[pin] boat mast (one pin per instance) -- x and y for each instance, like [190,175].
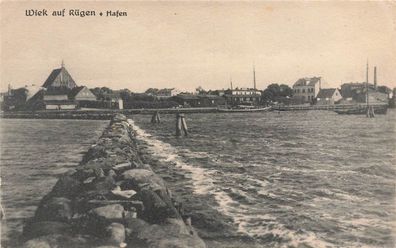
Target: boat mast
[254,77]
[367,86]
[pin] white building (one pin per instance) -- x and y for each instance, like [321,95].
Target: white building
[167,93]
[305,90]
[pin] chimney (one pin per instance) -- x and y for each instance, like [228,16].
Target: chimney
[375,77]
[320,83]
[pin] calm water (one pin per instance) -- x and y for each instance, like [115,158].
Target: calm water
[307,179]
[33,154]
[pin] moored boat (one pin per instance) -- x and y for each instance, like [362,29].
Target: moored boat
[362,110]
[245,110]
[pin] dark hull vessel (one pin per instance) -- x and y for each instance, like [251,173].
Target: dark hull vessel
[362,110]
[245,110]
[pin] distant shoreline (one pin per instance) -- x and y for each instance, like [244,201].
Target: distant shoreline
[107,114]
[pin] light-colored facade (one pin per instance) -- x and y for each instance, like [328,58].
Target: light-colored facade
[305,90]
[60,97]
[167,93]
[328,96]
[243,96]
[84,94]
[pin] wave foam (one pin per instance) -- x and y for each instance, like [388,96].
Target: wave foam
[204,182]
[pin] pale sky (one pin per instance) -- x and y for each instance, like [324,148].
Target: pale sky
[185,45]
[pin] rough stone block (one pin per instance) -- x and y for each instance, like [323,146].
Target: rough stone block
[115,233]
[156,209]
[54,209]
[43,228]
[112,213]
[66,186]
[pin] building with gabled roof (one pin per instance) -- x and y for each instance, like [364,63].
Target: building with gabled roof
[60,91]
[328,96]
[243,96]
[305,90]
[81,93]
[166,93]
[60,78]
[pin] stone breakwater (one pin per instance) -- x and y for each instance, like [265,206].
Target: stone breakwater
[112,199]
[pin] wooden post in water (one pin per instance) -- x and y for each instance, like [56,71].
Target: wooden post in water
[181,125]
[372,112]
[156,118]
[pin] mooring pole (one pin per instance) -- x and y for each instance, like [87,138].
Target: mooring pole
[181,125]
[184,125]
[372,112]
[156,118]
[178,125]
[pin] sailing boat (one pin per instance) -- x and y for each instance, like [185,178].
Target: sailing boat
[368,110]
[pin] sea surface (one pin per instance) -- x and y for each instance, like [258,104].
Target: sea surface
[288,179]
[34,153]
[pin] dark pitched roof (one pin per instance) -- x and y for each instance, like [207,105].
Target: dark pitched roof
[57,91]
[187,97]
[54,74]
[326,93]
[51,77]
[307,81]
[73,92]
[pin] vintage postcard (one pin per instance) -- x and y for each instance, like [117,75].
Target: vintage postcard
[220,124]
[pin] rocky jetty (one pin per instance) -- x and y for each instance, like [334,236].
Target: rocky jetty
[112,199]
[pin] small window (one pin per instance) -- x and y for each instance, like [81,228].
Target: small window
[303,91]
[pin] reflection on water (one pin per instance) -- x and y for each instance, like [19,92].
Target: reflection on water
[33,154]
[293,178]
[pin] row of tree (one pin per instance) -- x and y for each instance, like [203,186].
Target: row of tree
[273,93]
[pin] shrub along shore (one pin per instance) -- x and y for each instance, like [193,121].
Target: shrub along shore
[112,199]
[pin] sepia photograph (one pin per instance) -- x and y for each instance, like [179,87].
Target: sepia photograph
[197,124]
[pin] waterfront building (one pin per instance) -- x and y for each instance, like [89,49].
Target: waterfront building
[81,93]
[166,93]
[211,100]
[60,105]
[18,98]
[328,96]
[60,91]
[206,100]
[305,90]
[357,93]
[2,95]
[59,78]
[187,100]
[242,96]
[392,101]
